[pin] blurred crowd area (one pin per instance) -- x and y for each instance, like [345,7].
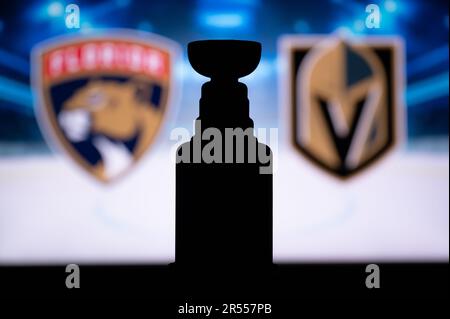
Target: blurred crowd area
[25,23]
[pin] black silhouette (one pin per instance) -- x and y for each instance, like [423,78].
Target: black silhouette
[224,210]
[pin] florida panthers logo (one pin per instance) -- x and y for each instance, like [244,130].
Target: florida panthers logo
[103,99]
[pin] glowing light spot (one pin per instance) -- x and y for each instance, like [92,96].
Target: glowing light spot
[55,9]
[390,5]
[224,20]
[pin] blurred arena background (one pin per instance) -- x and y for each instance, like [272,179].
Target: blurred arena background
[51,212]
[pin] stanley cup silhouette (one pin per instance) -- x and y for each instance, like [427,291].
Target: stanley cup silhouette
[223,208]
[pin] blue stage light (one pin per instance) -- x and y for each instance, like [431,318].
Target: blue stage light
[428,89]
[224,19]
[14,62]
[428,60]
[55,9]
[16,93]
[390,6]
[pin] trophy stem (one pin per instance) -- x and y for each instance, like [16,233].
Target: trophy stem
[224,209]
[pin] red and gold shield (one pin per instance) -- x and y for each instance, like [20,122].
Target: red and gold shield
[102,98]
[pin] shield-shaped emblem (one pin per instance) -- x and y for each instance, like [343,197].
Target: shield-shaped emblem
[344,99]
[102,98]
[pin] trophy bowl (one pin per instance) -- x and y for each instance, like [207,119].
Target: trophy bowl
[224,59]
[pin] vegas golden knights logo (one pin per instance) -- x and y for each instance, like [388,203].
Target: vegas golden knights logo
[344,100]
[102,98]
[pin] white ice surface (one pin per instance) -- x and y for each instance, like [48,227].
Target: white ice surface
[52,212]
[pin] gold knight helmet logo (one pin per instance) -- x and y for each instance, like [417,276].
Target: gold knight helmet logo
[102,98]
[344,100]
